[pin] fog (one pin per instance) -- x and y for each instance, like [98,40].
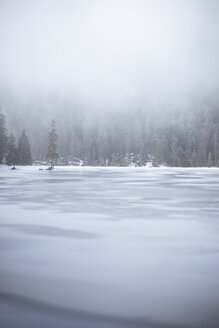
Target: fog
[109,54]
[109,158]
[113,75]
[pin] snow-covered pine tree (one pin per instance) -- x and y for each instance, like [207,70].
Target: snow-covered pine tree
[52,154]
[12,154]
[24,151]
[3,137]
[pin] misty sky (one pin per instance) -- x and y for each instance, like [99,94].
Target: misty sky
[109,51]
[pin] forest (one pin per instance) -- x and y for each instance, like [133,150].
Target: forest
[155,134]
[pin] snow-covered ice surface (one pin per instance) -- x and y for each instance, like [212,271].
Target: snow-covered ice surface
[109,247]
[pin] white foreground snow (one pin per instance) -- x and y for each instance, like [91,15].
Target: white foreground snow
[109,247]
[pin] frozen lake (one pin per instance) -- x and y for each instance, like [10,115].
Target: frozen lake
[109,247]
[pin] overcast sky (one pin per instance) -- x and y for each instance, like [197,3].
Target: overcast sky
[108,51]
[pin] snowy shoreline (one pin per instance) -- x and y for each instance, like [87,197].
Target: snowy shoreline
[75,167]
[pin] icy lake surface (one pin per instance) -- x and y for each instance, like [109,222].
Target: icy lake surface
[109,247]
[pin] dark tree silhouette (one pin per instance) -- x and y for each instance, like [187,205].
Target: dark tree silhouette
[24,152]
[3,137]
[12,154]
[52,154]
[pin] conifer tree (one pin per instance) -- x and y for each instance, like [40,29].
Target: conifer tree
[12,154]
[3,137]
[24,151]
[52,154]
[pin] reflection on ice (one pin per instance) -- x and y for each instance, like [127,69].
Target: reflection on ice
[109,247]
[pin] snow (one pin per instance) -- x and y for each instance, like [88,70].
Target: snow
[109,247]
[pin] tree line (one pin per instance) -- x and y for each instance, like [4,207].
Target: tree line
[184,138]
[12,152]
[19,153]
[187,138]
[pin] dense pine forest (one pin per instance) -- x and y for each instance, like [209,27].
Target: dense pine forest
[183,136]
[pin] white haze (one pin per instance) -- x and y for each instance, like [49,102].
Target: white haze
[110,52]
